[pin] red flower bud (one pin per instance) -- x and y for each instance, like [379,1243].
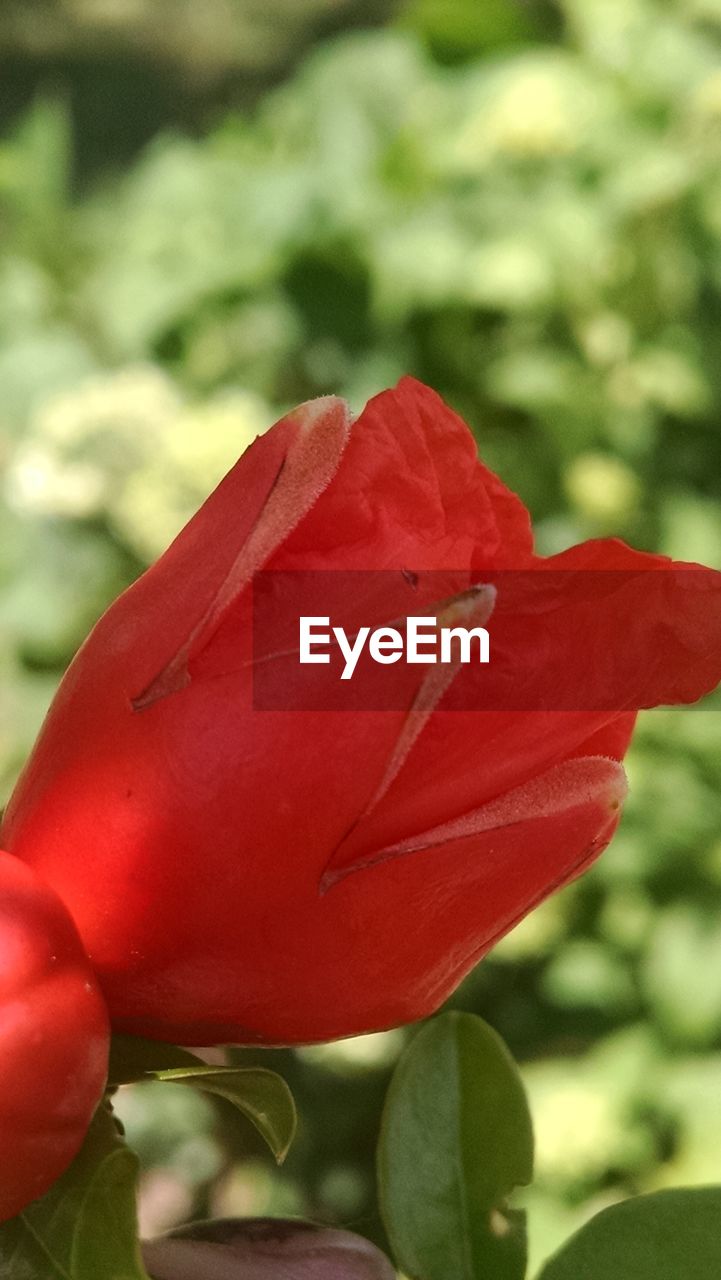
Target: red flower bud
[295,875]
[264,1249]
[53,1038]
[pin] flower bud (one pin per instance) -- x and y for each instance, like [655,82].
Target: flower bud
[264,1249]
[295,874]
[53,1038]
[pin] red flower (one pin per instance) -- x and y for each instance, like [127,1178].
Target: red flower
[53,1038]
[285,876]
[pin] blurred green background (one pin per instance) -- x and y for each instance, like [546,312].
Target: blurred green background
[210,212]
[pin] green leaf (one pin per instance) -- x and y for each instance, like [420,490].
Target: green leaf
[260,1095]
[85,1228]
[668,1235]
[456,1139]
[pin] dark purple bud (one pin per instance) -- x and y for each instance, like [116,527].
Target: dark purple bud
[263,1249]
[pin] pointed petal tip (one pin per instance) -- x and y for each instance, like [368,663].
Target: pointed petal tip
[578,783]
[311,412]
[476,605]
[573,784]
[314,435]
[617,783]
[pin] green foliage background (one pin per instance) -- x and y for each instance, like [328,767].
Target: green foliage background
[204,222]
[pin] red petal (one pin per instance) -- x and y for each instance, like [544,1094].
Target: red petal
[410,493]
[655,637]
[388,943]
[217,553]
[634,631]
[574,784]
